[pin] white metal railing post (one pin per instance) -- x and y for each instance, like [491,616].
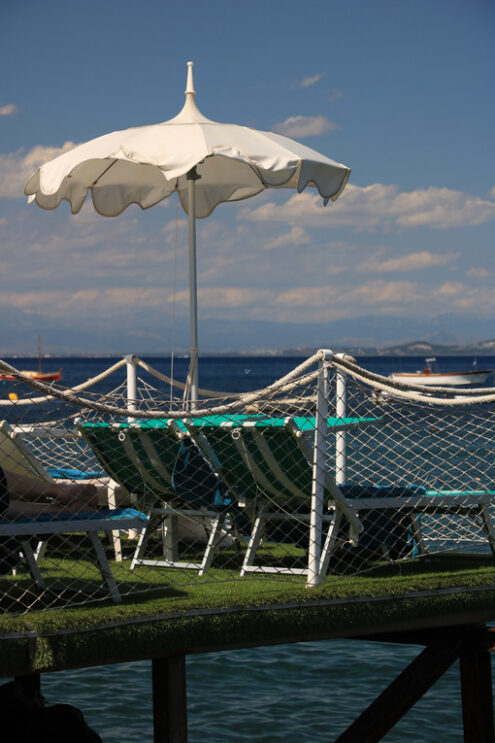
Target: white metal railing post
[192,177]
[131,363]
[319,468]
[340,436]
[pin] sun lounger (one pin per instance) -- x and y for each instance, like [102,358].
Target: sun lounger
[65,523]
[142,457]
[139,455]
[268,461]
[30,444]
[17,457]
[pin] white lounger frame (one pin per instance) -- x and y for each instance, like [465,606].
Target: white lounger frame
[18,458]
[74,525]
[166,518]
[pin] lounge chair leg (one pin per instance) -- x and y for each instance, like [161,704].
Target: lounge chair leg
[254,539]
[27,551]
[145,534]
[213,540]
[105,571]
[114,535]
[170,538]
[488,526]
[40,550]
[331,538]
[417,535]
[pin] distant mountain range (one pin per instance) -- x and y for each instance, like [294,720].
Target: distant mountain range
[152,332]
[423,348]
[415,348]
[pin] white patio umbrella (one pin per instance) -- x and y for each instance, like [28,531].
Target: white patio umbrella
[206,162]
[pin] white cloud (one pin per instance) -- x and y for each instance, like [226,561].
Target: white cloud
[451,288]
[86,250]
[379,206]
[56,302]
[304,126]
[376,292]
[17,167]
[380,297]
[173,231]
[442,207]
[296,236]
[225,297]
[284,271]
[306,82]
[405,263]
[371,294]
[300,303]
[303,296]
[10,109]
[478,273]
[456,295]
[491,193]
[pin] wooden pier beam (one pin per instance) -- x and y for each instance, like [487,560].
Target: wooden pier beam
[398,698]
[477,696]
[169,699]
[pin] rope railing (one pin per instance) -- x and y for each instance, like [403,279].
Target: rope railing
[212,394]
[300,481]
[108,372]
[180,385]
[78,387]
[407,391]
[414,392]
[285,384]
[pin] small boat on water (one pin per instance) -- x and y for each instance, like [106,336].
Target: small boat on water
[39,375]
[431,375]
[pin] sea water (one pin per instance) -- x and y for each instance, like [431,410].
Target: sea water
[299,693]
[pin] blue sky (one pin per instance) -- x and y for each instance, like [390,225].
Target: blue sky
[400,92]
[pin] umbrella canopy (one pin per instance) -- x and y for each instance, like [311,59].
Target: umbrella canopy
[206,162]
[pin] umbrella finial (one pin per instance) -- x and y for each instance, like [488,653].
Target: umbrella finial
[190,84]
[190,113]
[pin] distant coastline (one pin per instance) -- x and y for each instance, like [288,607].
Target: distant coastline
[414,348]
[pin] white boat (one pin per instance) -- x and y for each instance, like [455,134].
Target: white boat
[430,375]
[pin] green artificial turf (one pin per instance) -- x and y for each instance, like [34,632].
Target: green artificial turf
[174,590]
[182,612]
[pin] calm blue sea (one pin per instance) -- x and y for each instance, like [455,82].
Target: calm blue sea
[302,693]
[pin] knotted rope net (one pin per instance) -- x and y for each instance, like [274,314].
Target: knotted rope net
[106,498]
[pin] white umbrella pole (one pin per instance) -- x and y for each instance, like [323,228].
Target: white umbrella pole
[193,285]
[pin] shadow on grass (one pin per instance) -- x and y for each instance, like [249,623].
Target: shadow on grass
[440,563]
[77,582]
[73,583]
